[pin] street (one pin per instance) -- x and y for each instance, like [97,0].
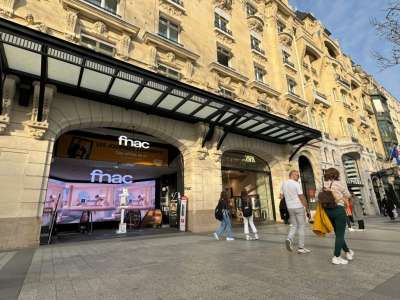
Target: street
[189,266]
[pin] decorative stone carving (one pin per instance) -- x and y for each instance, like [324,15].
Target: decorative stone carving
[71,24]
[189,70]
[242,90]
[224,4]
[256,23]
[170,57]
[286,39]
[9,88]
[202,154]
[35,127]
[29,19]
[224,38]
[213,82]
[43,28]
[172,8]
[124,47]
[153,57]
[100,28]
[7,8]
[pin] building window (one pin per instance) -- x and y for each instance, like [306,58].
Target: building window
[281,27]
[179,2]
[168,29]
[250,10]
[221,23]
[291,86]
[169,72]
[352,129]
[108,5]
[286,59]
[259,73]
[97,45]
[256,44]
[226,93]
[223,56]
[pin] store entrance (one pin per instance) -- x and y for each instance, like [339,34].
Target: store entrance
[245,171]
[307,181]
[92,169]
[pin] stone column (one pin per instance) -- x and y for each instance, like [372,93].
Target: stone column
[24,168]
[203,184]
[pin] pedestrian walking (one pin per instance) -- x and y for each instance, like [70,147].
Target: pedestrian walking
[284,211]
[333,199]
[247,213]
[296,204]
[222,213]
[358,214]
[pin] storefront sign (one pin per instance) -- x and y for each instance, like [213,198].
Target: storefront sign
[123,140]
[121,150]
[110,178]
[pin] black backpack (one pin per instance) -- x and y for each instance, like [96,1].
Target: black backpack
[326,198]
[247,209]
[218,212]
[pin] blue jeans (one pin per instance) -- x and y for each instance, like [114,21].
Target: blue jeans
[225,225]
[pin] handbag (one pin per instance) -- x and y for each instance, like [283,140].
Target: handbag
[326,198]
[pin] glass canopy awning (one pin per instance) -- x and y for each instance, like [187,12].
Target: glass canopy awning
[81,72]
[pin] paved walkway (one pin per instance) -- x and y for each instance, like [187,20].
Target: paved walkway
[174,266]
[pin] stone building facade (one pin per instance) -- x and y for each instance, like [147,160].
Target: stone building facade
[259,53]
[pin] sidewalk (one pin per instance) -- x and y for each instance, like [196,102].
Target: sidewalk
[199,267]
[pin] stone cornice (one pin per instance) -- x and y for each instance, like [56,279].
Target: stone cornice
[264,88]
[113,21]
[165,44]
[297,99]
[228,72]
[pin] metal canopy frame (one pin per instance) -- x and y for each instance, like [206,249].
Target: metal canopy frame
[81,72]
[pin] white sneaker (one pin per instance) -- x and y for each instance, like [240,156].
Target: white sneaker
[289,245]
[248,238]
[339,261]
[256,237]
[351,229]
[350,255]
[230,239]
[303,250]
[216,236]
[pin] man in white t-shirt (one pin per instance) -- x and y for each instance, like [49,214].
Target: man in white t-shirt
[296,204]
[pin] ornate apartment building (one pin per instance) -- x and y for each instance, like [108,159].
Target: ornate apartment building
[261,56]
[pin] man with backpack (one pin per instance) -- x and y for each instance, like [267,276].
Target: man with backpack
[296,204]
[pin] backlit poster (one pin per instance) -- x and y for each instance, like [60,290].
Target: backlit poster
[102,200]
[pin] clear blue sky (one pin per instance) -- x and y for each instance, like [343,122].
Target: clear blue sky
[349,22]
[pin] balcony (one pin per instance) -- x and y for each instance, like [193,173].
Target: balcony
[321,98]
[289,64]
[343,82]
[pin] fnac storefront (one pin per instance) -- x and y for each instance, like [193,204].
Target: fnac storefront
[56,87]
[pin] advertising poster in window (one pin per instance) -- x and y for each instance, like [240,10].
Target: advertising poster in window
[102,200]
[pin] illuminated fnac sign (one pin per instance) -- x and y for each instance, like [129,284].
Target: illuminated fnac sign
[100,177]
[124,141]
